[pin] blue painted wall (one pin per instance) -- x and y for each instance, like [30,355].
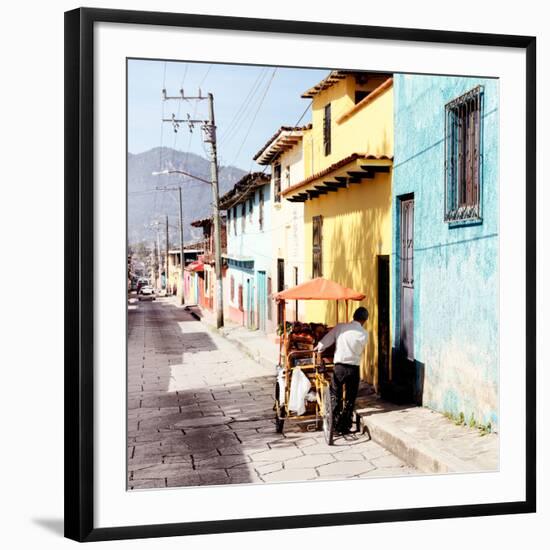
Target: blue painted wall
[253,246]
[455,267]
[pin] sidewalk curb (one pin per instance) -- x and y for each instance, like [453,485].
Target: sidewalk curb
[253,354]
[242,346]
[411,451]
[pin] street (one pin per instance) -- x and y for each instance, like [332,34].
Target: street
[200,412]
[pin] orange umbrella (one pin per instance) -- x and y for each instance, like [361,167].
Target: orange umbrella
[319,289]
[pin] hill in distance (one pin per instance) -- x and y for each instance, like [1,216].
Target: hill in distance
[145,205]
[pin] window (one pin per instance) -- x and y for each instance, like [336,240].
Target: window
[463,156]
[250,207]
[261,212]
[287,177]
[317,249]
[235,220]
[277,182]
[243,216]
[326,130]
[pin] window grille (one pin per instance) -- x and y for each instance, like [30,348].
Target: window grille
[317,250]
[463,157]
[326,130]
[277,182]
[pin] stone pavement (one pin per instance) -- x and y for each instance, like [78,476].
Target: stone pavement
[200,413]
[423,438]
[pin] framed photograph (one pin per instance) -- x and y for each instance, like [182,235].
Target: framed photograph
[300,274]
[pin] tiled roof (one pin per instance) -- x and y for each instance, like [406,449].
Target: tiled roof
[334,77]
[243,189]
[273,139]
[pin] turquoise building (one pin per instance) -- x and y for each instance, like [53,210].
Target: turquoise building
[445,283]
[248,258]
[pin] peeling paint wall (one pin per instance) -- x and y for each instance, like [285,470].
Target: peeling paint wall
[455,267]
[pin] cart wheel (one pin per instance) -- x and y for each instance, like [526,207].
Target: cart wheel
[279,412]
[279,424]
[328,425]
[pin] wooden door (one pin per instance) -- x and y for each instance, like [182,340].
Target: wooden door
[383,319]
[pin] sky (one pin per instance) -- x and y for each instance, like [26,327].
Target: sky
[250,104]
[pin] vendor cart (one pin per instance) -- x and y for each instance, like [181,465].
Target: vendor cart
[302,388]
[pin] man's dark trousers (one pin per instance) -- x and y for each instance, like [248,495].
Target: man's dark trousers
[343,376]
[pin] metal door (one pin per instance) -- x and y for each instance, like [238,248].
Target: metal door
[407,279]
[262,300]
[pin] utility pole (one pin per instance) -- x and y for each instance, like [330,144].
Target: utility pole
[181,296]
[159,266]
[211,135]
[167,247]
[209,130]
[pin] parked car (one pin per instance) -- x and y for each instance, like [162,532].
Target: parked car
[146,292]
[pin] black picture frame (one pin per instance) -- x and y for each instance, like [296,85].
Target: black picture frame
[79,269]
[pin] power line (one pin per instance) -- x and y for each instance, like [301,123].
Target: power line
[242,108]
[256,114]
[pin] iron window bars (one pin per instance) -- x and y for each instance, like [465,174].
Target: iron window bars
[463,157]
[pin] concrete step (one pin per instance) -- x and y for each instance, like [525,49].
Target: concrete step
[426,439]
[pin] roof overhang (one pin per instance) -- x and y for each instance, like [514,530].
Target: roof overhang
[282,141]
[345,173]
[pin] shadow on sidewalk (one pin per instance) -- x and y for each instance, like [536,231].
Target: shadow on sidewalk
[191,419]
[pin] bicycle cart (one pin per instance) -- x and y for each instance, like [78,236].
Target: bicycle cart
[302,388]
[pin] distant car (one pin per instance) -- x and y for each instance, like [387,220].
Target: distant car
[146,292]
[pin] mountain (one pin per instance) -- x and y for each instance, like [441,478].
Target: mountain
[145,205]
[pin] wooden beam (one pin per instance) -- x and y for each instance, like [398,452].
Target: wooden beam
[357,175]
[341,179]
[327,187]
[321,190]
[339,184]
[376,168]
[312,194]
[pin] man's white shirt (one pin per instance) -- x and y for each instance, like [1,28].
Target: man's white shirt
[351,339]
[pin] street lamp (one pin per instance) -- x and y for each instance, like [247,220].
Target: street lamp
[168,172]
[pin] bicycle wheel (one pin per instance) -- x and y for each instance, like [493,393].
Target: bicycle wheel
[279,412]
[328,421]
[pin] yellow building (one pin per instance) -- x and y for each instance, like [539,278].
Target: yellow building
[346,193]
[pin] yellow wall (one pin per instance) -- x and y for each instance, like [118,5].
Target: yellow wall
[370,130]
[353,236]
[356,220]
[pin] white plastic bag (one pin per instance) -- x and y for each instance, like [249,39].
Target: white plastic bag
[299,387]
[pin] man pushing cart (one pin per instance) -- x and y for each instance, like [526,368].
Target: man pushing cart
[318,374]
